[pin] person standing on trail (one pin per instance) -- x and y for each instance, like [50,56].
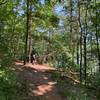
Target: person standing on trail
[33,56]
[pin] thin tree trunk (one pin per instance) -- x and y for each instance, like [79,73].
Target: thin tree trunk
[71,12]
[97,40]
[30,32]
[85,49]
[81,34]
[91,45]
[78,52]
[27,32]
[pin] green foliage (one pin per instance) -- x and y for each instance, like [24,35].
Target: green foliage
[97,81]
[6,58]
[70,90]
[8,85]
[39,15]
[71,96]
[94,80]
[49,38]
[54,20]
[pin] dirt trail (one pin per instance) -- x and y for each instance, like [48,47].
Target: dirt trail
[37,80]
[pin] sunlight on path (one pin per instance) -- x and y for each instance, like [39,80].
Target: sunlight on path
[44,87]
[40,67]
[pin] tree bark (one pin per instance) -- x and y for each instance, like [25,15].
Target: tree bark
[27,33]
[85,49]
[30,31]
[97,39]
[81,34]
[78,52]
[71,30]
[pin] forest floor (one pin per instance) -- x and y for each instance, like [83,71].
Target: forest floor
[40,82]
[36,83]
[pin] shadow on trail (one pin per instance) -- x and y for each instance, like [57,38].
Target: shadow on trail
[35,83]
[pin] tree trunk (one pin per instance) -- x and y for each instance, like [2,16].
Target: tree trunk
[71,12]
[97,40]
[91,45]
[27,33]
[30,32]
[81,34]
[78,52]
[85,49]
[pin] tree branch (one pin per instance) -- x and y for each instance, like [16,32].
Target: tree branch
[4,2]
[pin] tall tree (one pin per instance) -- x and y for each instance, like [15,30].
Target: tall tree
[81,35]
[85,38]
[30,32]
[96,28]
[27,33]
